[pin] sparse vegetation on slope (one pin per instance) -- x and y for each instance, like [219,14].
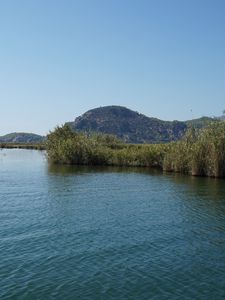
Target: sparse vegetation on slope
[133,127]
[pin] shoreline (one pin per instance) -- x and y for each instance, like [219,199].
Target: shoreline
[22,146]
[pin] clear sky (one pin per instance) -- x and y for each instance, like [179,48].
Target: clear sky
[59,58]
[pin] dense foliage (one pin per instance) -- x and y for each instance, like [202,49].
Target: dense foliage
[68,147]
[200,152]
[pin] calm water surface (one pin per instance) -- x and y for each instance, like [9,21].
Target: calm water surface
[96,233]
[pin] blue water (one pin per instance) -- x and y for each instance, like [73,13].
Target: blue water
[108,233]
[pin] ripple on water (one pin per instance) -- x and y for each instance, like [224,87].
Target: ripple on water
[80,233]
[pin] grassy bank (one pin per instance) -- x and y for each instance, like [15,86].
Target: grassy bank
[22,146]
[199,153]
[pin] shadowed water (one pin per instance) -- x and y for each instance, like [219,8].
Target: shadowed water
[108,233]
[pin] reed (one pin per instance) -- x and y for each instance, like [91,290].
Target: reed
[67,147]
[199,153]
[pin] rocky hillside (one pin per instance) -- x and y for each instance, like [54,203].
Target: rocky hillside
[131,126]
[21,137]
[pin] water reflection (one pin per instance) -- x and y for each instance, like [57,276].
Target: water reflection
[73,169]
[212,188]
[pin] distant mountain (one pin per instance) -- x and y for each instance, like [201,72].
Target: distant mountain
[21,137]
[133,127]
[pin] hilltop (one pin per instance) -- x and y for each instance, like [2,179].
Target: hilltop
[21,137]
[133,127]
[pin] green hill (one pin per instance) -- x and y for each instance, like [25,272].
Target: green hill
[21,137]
[133,127]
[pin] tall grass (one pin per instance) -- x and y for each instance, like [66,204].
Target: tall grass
[67,147]
[200,153]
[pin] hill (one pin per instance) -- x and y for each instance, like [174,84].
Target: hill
[21,137]
[201,122]
[133,127]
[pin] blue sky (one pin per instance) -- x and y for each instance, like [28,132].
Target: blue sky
[163,58]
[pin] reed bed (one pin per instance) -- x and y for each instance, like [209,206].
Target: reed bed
[36,146]
[199,153]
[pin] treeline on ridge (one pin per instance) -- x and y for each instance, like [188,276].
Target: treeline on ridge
[200,152]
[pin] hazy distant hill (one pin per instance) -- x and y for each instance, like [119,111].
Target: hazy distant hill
[133,127]
[21,137]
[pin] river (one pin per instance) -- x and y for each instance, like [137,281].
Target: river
[108,233]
